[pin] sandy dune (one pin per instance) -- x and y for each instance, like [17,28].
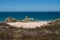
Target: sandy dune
[28,24]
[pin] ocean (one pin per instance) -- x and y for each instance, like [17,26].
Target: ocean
[35,15]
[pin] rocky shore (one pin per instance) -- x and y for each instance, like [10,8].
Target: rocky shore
[51,31]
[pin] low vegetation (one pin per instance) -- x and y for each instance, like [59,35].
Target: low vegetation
[49,32]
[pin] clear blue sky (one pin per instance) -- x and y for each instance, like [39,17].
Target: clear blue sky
[29,5]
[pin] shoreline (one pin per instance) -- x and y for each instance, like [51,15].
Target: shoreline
[28,24]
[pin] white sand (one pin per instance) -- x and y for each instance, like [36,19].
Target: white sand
[28,24]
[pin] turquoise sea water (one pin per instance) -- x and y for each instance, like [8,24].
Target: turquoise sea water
[35,15]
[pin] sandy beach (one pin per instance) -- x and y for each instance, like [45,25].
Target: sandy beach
[28,24]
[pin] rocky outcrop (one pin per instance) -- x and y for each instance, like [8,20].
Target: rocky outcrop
[10,19]
[26,19]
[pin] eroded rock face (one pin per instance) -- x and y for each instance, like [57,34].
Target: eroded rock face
[10,19]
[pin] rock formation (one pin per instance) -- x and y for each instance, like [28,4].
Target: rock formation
[26,19]
[10,19]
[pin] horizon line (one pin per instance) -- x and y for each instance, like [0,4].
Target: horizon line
[30,11]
